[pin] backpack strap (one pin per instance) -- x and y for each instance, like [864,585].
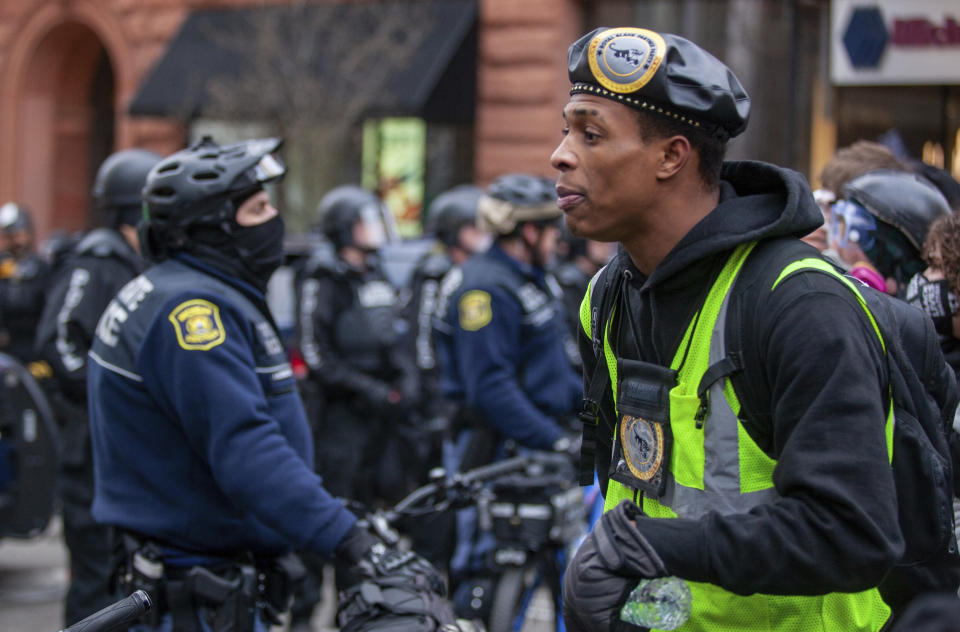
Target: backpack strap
[602,296]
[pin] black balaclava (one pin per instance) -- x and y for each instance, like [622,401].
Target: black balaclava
[251,253]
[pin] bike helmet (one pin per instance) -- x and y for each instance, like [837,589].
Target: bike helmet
[15,218]
[513,199]
[202,186]
[452,210]
[903,200]
[343,207]
[118,187]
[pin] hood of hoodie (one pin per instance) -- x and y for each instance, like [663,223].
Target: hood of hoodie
[757,201]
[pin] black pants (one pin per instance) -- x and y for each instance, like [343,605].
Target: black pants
[350,448]
[89,545]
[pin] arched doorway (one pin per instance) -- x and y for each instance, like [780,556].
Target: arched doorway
[66,129]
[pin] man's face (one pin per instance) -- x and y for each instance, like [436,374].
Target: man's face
[19,242]
[547,244]
[473,240]
[607,173]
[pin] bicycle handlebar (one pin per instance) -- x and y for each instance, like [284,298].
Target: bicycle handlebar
[465,480]
[116,616]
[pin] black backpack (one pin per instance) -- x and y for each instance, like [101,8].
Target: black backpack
[925,396]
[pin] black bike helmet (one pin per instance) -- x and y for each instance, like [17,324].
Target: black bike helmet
[513,199]
[202,186]
[15,218]
[341,208]
[118,187]
[452,210]
[903,200]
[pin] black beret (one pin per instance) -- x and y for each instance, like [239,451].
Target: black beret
[661,73]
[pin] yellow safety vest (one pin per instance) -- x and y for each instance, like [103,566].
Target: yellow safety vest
[704,476]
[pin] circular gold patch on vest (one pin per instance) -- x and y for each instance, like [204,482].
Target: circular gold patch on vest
[642,443]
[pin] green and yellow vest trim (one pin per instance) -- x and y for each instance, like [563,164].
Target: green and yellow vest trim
[716,466]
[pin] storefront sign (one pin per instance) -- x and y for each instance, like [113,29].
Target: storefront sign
[876,42]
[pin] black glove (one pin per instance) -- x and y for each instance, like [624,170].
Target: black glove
[606,567]
[361,555]
[385,399]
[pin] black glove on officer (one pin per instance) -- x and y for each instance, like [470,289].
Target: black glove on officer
[606,567]
[361,555]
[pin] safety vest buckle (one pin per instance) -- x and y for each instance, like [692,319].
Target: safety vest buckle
[702,411]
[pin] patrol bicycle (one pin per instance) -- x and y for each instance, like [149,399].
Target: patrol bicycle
[536,513]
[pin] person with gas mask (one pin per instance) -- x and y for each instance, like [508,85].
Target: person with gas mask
[350,331]
[879,223]
[85,280]
[24,278]
[500,335]
[202,451]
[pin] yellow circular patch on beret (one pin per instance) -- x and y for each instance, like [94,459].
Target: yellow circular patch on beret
[624,59]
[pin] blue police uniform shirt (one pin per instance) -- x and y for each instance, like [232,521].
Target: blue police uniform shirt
[199,436]
[500,346]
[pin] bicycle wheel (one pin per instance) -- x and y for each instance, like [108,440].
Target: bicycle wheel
[522,601]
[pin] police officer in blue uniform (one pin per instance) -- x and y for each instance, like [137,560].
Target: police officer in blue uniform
[202,451]
[501,352]
[501,328]
[451,220]
[84,282]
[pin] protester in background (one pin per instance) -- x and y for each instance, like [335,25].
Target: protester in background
[24,280]
[935,289]
[879,223]
[87,277]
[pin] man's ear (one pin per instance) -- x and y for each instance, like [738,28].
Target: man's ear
[675,153]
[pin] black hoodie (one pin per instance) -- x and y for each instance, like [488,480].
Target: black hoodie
[813,396]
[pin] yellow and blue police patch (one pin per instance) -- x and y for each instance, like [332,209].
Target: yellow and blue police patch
[475,310]
[198,326]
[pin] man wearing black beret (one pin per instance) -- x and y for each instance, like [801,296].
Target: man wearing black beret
[736,400]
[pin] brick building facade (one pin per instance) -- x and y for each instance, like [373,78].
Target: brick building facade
[69,69]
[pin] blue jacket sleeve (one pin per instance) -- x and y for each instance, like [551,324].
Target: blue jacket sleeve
[487,359]
[223,408]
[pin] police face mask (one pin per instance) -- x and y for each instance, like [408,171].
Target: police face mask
[260,249]
[936,299]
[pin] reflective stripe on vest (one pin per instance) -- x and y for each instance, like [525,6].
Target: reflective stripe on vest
[719,467]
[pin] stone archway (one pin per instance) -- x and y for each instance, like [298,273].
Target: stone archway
[63,87]
[66,125]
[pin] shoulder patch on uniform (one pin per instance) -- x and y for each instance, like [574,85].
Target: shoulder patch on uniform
[475,310]
[198,326]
